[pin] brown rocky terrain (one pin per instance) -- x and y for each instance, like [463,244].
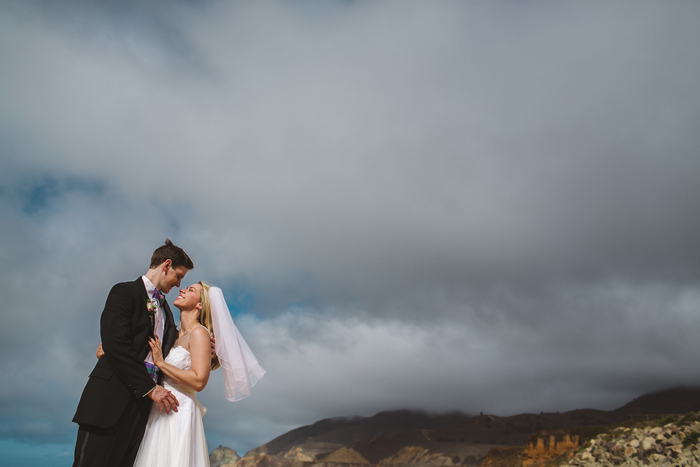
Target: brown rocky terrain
[631,444]
[670,445]
[345,456]
[405,438]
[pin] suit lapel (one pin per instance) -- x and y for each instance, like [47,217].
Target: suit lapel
[143,300]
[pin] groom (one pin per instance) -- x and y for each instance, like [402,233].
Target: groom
[113,410]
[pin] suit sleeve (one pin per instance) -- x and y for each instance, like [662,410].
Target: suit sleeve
[117,340]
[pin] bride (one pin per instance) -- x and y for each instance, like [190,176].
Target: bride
[177,439]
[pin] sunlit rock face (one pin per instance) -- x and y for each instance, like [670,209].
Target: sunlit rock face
[298,453]
[222,456]
[345,456]
[417,455]
[548,446]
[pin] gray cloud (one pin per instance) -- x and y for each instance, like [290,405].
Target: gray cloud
[502,196]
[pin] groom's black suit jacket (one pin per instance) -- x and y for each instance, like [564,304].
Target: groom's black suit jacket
[120,376]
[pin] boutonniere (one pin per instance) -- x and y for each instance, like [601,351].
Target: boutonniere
[152,306]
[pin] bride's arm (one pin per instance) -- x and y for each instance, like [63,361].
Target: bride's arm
[200,353]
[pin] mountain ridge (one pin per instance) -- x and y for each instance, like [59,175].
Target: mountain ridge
[411,438]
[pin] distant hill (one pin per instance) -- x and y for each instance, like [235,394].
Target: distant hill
[346,431]
[455,439]
[670,401]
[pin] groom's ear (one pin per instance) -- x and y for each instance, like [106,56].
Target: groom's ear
[167,264]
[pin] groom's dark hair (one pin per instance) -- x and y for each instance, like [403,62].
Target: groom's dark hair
[174,253]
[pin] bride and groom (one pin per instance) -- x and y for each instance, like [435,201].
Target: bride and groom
[147,359]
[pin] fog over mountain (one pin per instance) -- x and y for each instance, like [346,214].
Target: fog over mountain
[482,206]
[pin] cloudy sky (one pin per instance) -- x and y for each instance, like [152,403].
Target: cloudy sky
[483,206]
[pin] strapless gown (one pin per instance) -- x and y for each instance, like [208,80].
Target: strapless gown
[175,439]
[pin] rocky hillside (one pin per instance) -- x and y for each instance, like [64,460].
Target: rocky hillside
[633,444]
[407,438]
[673,444]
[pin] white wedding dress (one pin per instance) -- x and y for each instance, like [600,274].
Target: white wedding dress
[175,439]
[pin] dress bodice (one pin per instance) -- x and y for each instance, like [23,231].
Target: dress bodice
[179,357]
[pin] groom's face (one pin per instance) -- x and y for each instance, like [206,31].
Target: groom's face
[172,278]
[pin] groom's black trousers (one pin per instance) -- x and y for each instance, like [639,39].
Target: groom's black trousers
[115,446]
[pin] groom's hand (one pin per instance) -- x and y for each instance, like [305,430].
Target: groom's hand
[212,341]
[164,399]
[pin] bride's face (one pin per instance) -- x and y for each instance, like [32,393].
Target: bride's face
[188,298]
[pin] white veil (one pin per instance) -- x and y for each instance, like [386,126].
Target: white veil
[241,368]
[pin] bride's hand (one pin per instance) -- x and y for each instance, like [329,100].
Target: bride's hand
[156,350]
[99,352]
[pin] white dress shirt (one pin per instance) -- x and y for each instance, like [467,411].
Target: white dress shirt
[159,322]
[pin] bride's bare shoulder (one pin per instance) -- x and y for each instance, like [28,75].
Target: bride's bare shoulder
[200,332]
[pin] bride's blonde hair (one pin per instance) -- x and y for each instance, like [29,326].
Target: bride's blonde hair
[205,317]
